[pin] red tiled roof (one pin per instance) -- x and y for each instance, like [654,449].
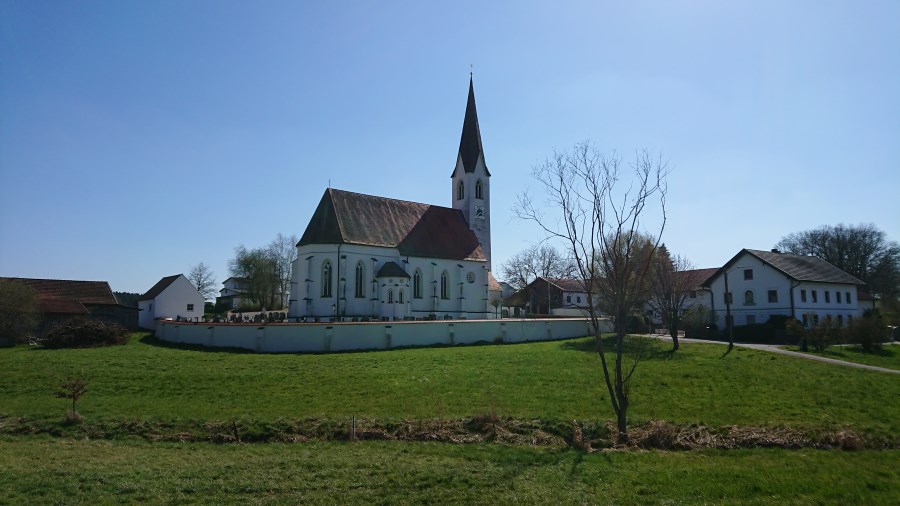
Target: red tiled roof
[158,288]
[699,276]
[568,285]
[68,296]
[493,284]
[415,229]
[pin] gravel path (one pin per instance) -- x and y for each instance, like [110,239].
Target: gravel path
[775,349]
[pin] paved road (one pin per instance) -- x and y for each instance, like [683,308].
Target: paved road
[775,349]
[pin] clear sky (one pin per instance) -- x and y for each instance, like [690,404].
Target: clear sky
[140,138]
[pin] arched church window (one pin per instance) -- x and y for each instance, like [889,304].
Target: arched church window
[445,286]
[479,190]
[390,296]
[417,284]
[749,300]
[326,278]
[460,190]
[400,296]
[360,280]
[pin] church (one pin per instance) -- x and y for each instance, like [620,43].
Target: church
[363,256]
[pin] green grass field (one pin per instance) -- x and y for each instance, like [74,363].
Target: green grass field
[553,380]
[59,471]
[149,384]
[886,356]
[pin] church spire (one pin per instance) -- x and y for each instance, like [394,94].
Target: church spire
[470,147]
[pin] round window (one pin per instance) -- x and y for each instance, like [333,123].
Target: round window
[470,277]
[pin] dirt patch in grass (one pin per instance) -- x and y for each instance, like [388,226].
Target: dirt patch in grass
[586,436]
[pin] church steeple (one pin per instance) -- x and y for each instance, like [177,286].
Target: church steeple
[470,148]
[471,182]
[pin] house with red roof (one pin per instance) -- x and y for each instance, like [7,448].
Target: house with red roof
[364,256]
[172,297]
[60,300]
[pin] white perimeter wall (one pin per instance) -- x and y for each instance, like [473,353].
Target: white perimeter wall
[323,337]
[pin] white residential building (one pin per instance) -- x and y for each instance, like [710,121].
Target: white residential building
[172,297]
[766,283]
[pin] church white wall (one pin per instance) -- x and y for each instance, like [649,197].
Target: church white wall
[307,301]
[306,337]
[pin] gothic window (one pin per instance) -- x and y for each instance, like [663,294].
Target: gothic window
[460,190]
[390,296]
[479,190]
[445,286]
[360,280]
[749,300]
[417,284]
[326,278]
[400,296]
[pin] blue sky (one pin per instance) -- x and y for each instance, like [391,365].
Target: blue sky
[140,138]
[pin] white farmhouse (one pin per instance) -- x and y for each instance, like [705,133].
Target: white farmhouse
[364,256]
[233,293]
[766,283]
[171,297]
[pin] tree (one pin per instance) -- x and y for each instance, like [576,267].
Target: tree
[599,217]
[19,311]
[73,388]
[537,261]
[258,268]
[204,280]
[863,251]
[283,251]
[673,281]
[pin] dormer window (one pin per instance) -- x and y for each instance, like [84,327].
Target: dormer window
[479,190]
[460,190]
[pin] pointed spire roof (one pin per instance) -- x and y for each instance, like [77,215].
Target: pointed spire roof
[470,144]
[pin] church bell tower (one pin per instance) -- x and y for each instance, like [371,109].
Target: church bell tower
[471,181]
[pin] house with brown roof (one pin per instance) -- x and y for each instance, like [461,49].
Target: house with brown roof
[552,296]
[60,300]
[172,297]
[364,256]
[755,285]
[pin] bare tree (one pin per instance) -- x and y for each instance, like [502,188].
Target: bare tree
[673,281]
[283,251]
[204,280]
[601,223]
[537,261]
[19,311]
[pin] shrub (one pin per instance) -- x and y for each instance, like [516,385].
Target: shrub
[794,330]
[822,336]
[18,312]
[867,332]
[638,324]
[753,333]
[84,333]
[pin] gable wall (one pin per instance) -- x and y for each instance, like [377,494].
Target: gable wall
[172,303]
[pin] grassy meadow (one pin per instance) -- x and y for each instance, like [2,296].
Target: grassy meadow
[148,382]
[887,355]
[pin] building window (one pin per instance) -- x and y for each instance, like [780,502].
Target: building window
[748,274]
[326,278]
[805,320]
[445,286]
[802,295]
[773,296]
[479,190]
[815,296]
[728,298]
[751,319]
[190,307]
[417,284]
[578,299]
[838,295]
[460,190]
[569,299]
[840,319]
[360,281]
[749,300]
[400,296]
[827,297]
[390,296]
[815,319]
[848,297]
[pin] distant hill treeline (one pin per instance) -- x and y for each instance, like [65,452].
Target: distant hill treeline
[128,299]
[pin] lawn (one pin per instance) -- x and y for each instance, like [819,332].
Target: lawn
[147,380]
[887,356]
[62,471]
